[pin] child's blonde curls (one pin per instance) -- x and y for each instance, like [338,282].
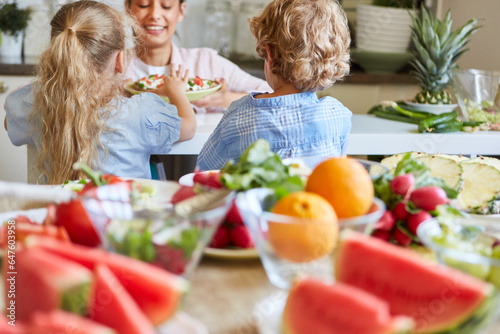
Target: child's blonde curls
[309,41]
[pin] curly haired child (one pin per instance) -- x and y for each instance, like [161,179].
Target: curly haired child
[305,47]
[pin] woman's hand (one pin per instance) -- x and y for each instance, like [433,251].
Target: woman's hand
[221,99]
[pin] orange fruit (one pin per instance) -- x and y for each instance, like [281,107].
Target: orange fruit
[310,237]
[345,183]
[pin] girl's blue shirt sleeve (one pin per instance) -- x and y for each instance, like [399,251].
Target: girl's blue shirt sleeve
[18,108]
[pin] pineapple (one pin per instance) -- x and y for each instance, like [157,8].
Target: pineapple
[444,168]
[437,48]
[481,188]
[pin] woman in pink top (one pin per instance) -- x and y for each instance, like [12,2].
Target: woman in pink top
[159,19]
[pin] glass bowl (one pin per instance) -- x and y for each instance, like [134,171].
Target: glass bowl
[476,91]
[468,244]
[303,166]
[172,237]
[254,206]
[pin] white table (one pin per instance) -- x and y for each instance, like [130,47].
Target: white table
[375,136]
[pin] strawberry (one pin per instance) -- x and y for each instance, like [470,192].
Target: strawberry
[202,178]
[209,179]
[233,216]
[183,193]
[220,238]
[240,237]
[75,219]
[171,259]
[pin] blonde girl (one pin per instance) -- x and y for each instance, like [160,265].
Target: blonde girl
[75,109]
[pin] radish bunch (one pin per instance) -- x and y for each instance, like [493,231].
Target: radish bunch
[407,209]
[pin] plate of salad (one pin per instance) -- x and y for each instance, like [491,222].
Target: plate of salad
[196,88]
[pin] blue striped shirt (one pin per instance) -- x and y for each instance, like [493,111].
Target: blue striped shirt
[295,125]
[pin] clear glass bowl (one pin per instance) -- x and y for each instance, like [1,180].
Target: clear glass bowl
[254,206]
[475,91]
[303,166]
[466,244]
[163,236]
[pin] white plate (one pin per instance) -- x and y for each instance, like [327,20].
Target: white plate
[191,95]
[182,323]
[231,254]
[432,108]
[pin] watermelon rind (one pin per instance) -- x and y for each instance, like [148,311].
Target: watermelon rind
[440,299]
[157,292]
[75,300]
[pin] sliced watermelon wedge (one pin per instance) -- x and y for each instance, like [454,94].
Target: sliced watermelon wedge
[157,292]
[316,307]
[61,322]
[45,282]
[6,328]
[438,298]
[114,307]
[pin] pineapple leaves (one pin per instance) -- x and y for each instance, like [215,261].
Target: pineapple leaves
[437,48]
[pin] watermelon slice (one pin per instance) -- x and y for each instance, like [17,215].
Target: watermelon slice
[438,298]
[26,228]
[316,307]
[61,322]
[6,328]
[114,307]
[45,282]
[157,292]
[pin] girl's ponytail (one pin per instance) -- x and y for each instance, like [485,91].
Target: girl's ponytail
[74,88]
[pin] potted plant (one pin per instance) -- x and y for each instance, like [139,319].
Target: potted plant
[13,22]
[385,25]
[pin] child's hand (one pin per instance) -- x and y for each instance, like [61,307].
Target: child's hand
[175,84]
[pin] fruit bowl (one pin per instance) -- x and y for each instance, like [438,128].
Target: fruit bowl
[468,244]
[282,262]
[173,238]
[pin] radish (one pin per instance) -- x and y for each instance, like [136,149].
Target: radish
[386,222]
[399,211]
[429,197]
[403,184]
[401,237]
[415,220]
[382,234]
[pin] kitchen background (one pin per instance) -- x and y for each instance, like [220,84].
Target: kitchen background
[222,25]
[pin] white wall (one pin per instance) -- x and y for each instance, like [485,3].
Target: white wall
[484,48]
